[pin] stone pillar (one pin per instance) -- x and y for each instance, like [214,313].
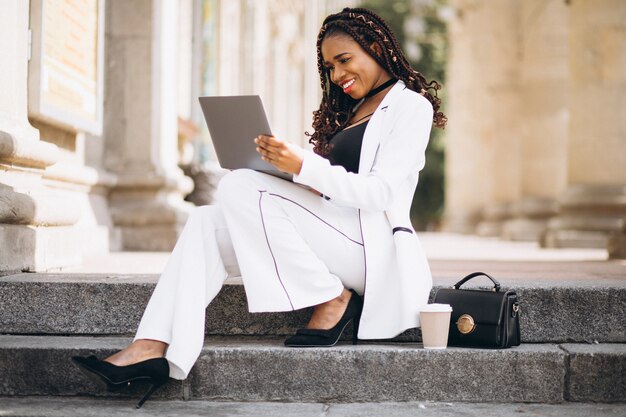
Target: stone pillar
[288,69]
[314,15]
[466,166]
[498,80]
[593,207]
[482,140]
[544,78]
[230,68]
[141,123]
[27,207]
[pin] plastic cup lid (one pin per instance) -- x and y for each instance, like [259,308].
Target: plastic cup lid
[436,308]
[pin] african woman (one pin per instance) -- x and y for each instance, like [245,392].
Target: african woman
[338,238]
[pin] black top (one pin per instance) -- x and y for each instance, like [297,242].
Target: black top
[346,147]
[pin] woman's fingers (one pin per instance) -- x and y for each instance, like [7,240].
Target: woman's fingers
[282,155]
[271,141]
[269,147]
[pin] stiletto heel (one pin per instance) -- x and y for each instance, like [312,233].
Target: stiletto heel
[154,371]
[355,329]
[147,395]
[330,337]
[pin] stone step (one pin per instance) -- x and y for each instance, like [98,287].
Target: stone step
[262,369]
[104,407]
[553,310]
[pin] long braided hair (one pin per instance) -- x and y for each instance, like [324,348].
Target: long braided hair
[365,27]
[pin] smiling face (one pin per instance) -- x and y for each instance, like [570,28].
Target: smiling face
[352,68]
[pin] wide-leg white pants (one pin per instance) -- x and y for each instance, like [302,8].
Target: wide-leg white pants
[292,248]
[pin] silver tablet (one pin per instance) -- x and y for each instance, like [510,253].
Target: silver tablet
[234,122]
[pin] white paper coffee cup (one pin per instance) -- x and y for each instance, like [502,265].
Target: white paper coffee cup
[435,321]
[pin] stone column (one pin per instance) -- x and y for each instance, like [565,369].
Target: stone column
[314,15]
[230,70]
[141,123]
[544,78]
[498,81]
[27,207]
[466,168]
[593,207]
[482,139]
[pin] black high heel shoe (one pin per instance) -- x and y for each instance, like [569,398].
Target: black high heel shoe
[154,371]
[330,337]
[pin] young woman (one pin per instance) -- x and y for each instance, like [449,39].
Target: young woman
[338,238]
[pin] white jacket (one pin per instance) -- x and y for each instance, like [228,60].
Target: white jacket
[398,280]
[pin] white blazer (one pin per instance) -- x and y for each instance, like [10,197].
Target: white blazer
[398,279]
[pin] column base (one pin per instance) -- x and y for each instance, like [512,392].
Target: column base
[154,238]
[493,217]
[50,216]
[617,246]
[461,223]
[152,226]
[589,215]
[531,216]
[20,145]
[150,212]
[524,230]
[39,249]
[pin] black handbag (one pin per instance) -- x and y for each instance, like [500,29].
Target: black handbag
[485,319]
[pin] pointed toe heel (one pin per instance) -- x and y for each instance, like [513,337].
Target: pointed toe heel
[330,337]
[154,371]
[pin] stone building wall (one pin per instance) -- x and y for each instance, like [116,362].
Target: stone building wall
[68,189]
[536,145]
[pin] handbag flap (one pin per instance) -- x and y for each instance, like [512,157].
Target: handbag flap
[485,307]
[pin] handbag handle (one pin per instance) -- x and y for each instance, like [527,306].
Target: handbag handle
[496,284]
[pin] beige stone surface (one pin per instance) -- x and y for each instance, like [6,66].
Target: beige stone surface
[544,117]
[141,123]
[544,76]
[29,248]
[14,50]
[596,149]
[24,200]
[51,205]
[19,141]
[482,141]
[536,145]
[593,207]
[500,76]
[467,167]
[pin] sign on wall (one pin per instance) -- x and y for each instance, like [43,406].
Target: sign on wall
[65,84]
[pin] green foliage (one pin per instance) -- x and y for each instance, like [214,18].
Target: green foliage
[417,23]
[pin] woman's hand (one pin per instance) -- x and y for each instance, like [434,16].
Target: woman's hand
[285,156]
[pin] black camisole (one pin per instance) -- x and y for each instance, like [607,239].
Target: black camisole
[346,147]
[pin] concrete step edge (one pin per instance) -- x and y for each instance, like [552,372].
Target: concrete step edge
[103,407]
[98,305]
[262,369]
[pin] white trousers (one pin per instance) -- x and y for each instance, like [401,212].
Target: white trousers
[292,248]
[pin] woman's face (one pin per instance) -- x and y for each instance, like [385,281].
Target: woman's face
[351,68]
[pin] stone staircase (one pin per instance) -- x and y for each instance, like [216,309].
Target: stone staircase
[573,350]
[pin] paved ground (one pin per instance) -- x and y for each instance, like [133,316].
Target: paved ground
[451,256]
[91,407]
[439,247]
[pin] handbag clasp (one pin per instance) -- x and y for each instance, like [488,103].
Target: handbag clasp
[465,324]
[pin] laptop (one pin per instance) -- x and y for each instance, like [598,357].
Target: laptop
[234,122]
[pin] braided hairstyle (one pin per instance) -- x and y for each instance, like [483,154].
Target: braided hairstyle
[365,27]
